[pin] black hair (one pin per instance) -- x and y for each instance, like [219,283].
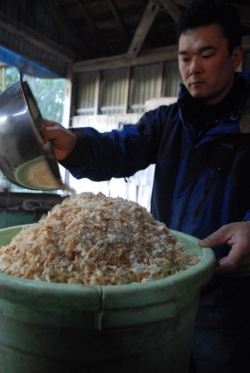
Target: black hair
[207,12]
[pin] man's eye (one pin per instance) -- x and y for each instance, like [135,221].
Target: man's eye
[206,56]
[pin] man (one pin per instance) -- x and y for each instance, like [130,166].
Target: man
[201,148]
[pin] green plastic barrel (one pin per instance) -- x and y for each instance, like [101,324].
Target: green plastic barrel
[136,328]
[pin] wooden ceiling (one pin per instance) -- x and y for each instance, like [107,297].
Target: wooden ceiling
[91,34]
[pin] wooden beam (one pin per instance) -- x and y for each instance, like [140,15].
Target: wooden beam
[243,10]
[127,89]
[67,27]
[172,9]
[142,30]
[38,40]
[148,56]
[160,79]
[244,13]
[63,2]
[11,11]
[94,29]
[184,2]
[97,93]
[118,18]
[145,57]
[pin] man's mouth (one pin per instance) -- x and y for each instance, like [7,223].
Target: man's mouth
[196,83]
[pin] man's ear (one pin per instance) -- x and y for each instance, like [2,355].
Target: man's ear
[237,56]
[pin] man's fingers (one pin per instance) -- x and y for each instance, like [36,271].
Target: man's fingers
[238,257]
[237,236]
[217,238]
[50,123]
[226,265]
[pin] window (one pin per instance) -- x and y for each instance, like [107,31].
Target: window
[143,86]
[113,87]
[86,93]
[171,79]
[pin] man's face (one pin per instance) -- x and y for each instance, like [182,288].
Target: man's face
[206,68]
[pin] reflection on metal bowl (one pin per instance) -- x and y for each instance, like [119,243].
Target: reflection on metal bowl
[22,150]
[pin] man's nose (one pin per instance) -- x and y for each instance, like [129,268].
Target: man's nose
[195,66]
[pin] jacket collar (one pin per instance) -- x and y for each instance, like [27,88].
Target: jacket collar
[238,115]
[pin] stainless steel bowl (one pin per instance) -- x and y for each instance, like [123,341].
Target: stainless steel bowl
[24,159]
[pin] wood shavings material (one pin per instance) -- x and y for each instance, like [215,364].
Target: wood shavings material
[95,240]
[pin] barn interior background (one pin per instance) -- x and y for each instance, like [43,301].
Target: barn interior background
[116,56]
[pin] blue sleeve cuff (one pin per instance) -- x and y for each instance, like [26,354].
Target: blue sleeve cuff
[247,216]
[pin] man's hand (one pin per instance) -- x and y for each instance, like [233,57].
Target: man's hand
[63,141]
[236,235]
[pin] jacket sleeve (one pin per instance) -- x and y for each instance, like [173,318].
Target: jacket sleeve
[247,216]
[119,153]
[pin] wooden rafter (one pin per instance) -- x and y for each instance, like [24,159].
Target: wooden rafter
[37,39]
[244,13]
[142,30]
[94,29]
[145,57]
[183,2]
[67,27]
[118,18]
[64,2]
[172,9]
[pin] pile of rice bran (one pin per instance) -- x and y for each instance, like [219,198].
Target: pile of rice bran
[95,240]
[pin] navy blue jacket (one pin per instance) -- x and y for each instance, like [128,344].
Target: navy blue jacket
[202,180]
